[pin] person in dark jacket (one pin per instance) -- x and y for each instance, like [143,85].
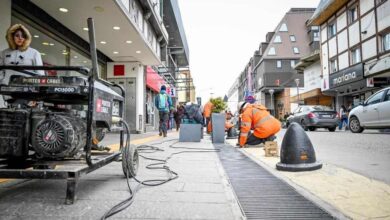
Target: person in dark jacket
[163,103]
[178,115]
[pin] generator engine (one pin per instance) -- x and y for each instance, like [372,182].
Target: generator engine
[58,136]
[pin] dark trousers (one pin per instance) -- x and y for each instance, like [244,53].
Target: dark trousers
[164,117]
[253,140]
[178,121]
[207,121]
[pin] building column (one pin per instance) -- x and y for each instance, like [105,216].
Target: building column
[5,22]
[140,101]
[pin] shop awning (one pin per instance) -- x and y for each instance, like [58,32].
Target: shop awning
[118,35]
[153,80]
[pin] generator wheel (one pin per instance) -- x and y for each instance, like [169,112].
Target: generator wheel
[130,161]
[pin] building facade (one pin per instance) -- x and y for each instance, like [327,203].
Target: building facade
[355,48]
[275,73]
[310,67]
[185,87]
[130,35]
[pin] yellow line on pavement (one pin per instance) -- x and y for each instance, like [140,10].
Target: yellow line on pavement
[115,147]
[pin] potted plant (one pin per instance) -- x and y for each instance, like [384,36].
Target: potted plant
[218,120]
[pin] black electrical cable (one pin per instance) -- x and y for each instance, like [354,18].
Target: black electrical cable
[161,164]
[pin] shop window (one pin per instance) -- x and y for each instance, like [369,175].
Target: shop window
[278,64]
[331,30]
[292,38]
[333,65]
[352,14]
[316,36]
[385,42]
[296,50]
[272,51]
[355,56]
[277,39]
[292,63]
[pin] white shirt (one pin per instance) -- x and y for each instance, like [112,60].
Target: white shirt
[29,57]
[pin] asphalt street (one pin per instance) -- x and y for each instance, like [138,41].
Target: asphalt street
[367,153]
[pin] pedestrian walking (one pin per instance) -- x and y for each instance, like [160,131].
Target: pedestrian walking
[207,114]
[343,117]
[264,125]
[163,103]
[178,115]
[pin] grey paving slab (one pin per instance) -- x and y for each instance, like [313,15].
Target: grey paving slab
[201,192]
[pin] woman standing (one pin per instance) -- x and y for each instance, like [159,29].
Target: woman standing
[343,117]
[18,53]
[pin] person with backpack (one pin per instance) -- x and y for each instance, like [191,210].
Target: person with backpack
[163,103]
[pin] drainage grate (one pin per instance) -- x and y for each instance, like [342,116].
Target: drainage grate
[261,194]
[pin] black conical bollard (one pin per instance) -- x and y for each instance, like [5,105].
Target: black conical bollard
[297,152]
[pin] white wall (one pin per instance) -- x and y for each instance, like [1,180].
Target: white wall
[343,60]
[324,33]
[312,77]
[341,21]
[324,60]
[140,101]
[369,48]
[368,24]
[342,40]
[354,34]
[366,5]
[332,47]
[5,22]
[133,70]
[383,14]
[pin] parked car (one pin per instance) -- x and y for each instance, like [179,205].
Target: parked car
[313,117]
[374,113]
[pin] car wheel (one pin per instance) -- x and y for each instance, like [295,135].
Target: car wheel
[312,128]
[332,129]
[354,125]
[303,125]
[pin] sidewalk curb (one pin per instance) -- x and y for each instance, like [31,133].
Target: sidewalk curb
[304,192]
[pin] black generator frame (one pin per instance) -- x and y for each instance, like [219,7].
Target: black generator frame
[70,169]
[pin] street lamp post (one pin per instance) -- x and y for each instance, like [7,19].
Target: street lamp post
[297,83]
[271,91]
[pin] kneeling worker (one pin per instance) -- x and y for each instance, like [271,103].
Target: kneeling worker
[264,125]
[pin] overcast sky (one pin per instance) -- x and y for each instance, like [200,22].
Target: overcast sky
[223,34]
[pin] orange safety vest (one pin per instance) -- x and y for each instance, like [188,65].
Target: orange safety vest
[207,109]
[260,120]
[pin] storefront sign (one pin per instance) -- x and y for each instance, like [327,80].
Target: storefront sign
[346,76]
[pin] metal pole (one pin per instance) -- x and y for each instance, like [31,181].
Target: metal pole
[91,83]
[297,83]
[271,91]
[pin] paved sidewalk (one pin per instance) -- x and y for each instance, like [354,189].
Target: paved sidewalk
[201,191]
[336,189]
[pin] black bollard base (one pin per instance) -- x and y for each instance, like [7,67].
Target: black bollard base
[298,167]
